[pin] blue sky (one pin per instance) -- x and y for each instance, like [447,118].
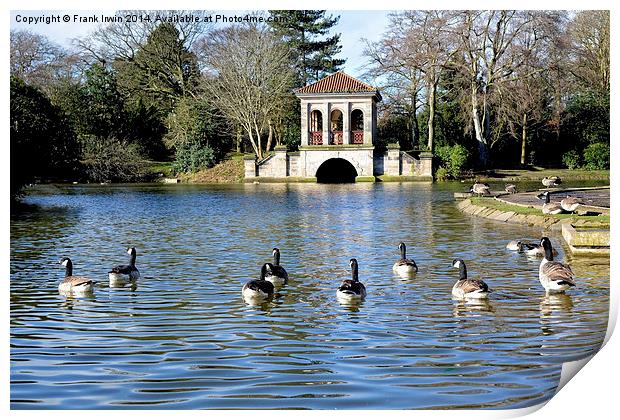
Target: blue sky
[353,26]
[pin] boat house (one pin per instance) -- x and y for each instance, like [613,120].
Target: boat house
[338,138]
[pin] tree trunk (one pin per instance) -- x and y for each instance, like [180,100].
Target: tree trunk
[415,128]
[432,90]
[523,138]
[483,153]
[270,137]
[257,151]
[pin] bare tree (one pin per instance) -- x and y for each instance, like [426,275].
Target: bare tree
[122,40]
[589,32]
[249,72]
[396,73]
[41,62]
[485,61]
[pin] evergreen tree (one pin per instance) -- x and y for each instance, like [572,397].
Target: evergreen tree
[42,141]
[161,72]
[301,31]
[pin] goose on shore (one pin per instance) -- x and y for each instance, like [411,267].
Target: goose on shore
[404,266]
[570,204]
[277,274]
[554,276]
[480,189]
[466,288]
[549,207]
[261,288]
[511,188]
[73,284]
[353,289]
[552,181]
[123,273]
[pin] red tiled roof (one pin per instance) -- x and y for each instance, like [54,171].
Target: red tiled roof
[338,82]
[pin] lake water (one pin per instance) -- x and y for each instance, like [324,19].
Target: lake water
[185,339]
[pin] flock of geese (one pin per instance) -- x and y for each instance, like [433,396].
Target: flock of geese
[567,204]
[554,276]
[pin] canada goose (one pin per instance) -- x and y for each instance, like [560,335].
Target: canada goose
[277,274]
[468,288]
[554,276]
[261,288]
[552,181]
[548,207]
[73,284]
[570,204]
[124,273]
[513,245]
[511,188]
[533,250]
[352,289]
[404,266]
[480,189]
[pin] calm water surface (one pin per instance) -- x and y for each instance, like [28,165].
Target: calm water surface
[184,338]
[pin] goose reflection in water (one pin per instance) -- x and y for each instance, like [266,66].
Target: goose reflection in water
[470,308]
[554,306]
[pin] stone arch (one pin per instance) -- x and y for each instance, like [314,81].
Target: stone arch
[336,122]
[357,126]
[316,127]
[336,171]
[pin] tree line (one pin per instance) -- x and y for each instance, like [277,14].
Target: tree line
[501,88]
[189,92]
[477,88]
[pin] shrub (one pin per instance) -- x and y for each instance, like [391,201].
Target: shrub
[441,174]
[192,157]
[571,159]
[596,156]
[452,159]
[458,159]
[109,159]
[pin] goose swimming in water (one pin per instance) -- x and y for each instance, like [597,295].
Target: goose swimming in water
[404,266]
[552,181]
[554,276]
[528,248]
[468,288]
[121,274]
[352,289]
[277,274]
[549,207]
[73,284]
[261,288]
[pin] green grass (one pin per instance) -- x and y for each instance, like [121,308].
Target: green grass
[165,168]
[498,205]
[537,173]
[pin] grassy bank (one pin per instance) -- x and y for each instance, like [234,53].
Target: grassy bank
[537,173]
[229,171]
[491,203]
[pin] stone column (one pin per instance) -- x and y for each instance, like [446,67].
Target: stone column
[426,164]
[249,166]
[346,123]
[325,108]
[391,164]
[305,120]
[367,109]
[280,164]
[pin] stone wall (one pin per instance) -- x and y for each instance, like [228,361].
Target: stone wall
[306,162]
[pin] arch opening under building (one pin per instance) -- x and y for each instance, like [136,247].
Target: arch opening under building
[336,171]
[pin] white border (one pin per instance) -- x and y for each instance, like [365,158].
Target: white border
[592,394]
